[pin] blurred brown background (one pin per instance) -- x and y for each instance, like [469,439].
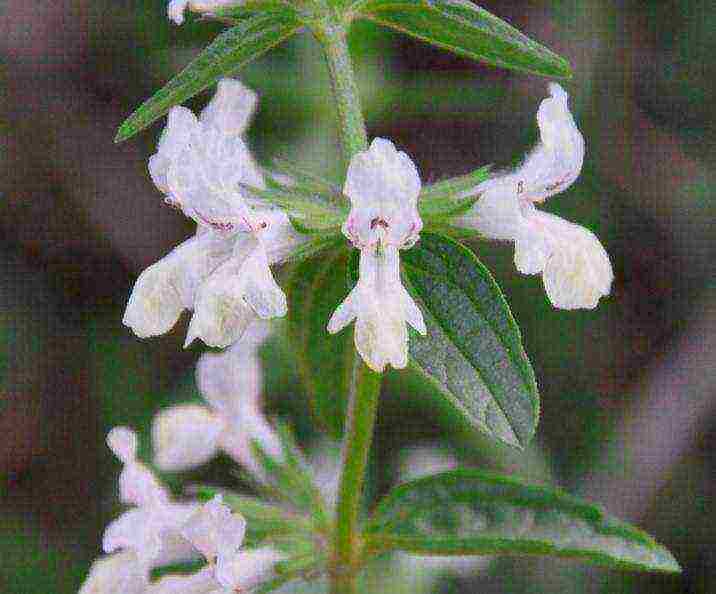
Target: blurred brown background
[629,403]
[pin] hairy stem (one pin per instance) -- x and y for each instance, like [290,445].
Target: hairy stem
[365,391]
[354,139]
[365,385]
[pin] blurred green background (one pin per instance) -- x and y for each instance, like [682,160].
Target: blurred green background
[628,390]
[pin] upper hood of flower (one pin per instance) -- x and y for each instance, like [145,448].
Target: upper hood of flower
[383,185]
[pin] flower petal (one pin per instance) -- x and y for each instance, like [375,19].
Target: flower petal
[413,315]
[378,302]
[344,314]
[214,530]
[181,124]
[116,574]
[138,530]
[137,484]
[242,431]
[261,291]
[168,287]
[185,436]
[152,532]
[231,379]
[578,271]
[277,234]
[123,443]
[557,161]
[497,213]
[383,185]
[247,569]
[175,10]
[206,179]
[234,296]
[232,107]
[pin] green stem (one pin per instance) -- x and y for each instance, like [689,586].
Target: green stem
[365,384]
[351,125]
[365,391]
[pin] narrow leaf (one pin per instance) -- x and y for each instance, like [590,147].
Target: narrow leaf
[468,512]
[467,30]
[311,213]
[307,179]
[315,246]
[229,51]
[455,187]
[315,289]
[473,349]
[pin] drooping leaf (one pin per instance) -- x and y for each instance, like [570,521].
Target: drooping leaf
[469,512]
[467,30]
[315,289]
[473,350]
[230,50]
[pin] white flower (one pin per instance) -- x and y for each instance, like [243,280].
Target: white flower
[176,8]
[575,267]
[151,530]
[381,306]
[383,185]
[189,435]
[119,573]
[222,273]
[218,534]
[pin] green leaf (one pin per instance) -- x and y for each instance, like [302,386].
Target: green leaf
[316,288]
[468,512]
[315,246]
[452,188]
[473,349]
[251,7]
[439,209]
[467,30]
[229,51]
[306,179]
[309,212]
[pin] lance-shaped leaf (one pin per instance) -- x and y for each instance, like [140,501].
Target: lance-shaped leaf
[309,212]
[452,197]
[228,52]
[473,349]
[468,512]
[468,30]
[316,288]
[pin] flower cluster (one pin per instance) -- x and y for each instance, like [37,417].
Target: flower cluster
[189,435]
[158,531]
[223,273]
